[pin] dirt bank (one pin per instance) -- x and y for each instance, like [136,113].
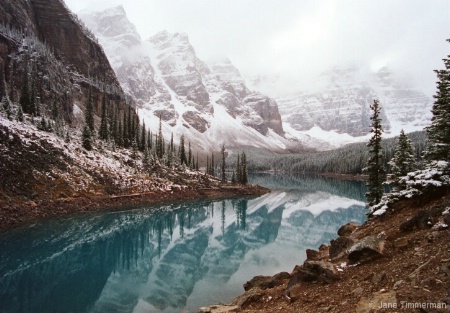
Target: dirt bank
[14,213]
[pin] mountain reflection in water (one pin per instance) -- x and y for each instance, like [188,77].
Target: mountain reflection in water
[172,257]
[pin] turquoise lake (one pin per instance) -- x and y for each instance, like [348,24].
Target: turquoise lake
[174,257]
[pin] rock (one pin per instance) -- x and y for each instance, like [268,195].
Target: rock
[376,301]
[397,284]
[401,243]
[379,280]
[314,271]
[266,282]
[421,220]
[357,291]
[347,229]
[340,246]
[366,250]
[248,298]
[312,255]
[204,310]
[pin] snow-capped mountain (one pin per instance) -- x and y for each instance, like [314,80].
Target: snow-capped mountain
[341,98]
[209,104]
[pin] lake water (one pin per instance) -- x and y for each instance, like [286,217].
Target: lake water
[175,257]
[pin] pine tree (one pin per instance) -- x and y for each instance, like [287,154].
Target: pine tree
[89,113]
[159,141]
[34,92]
[2,81]
[222,152]
[126,142]
[55,113]
[183,159]
[67,138]
[20,114]
[6,105]
[238,169]
[189,155]
[149,140]
[244,174]
[42,125]
[25,98]
[87,137]
[375,168]
[439,130]
[213,170]
[103,130]
[119,138]
[143,139]
[402,162]
[233,178]
[208,170]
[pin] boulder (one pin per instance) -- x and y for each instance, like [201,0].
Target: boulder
[266,282]
[347,229]
[314,271]
[366,250]
[340,246]
[248,298]
[312,255]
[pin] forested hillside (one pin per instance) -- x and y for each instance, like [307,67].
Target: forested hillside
[350,159]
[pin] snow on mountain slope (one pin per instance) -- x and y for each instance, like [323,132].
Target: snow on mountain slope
[210,105]
[338,106]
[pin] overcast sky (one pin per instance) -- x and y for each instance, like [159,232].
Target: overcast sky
[296,39]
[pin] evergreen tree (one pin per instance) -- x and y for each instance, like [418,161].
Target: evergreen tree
[159,141]
[89,113]
[143,139]
[25,97]
[213,170]
[439,130]
[197,168]
[183,158]
[126,142]
[233,178]
[222,152]
[42,125]
[149,140]
[403,160]
[87,137]
[67,138]
[119,139]
[2,81]
[171,146]
[34,91]
[19,114]
[103,130]
[207,171]
[238,169]
[189,155]
[6,105]
[146,159]
[55,113]
[375,168]
[244,174]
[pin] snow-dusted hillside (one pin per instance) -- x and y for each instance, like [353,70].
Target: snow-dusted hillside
[209,104]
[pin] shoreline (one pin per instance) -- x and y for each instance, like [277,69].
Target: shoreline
[406,260]
[20,214]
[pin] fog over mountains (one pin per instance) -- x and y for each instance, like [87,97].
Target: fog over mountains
[212,104]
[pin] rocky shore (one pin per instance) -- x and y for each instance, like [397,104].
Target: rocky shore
[14,214]
[396,262]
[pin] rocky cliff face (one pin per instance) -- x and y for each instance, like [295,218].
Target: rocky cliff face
[46,36]
[208,103]
[341,100]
